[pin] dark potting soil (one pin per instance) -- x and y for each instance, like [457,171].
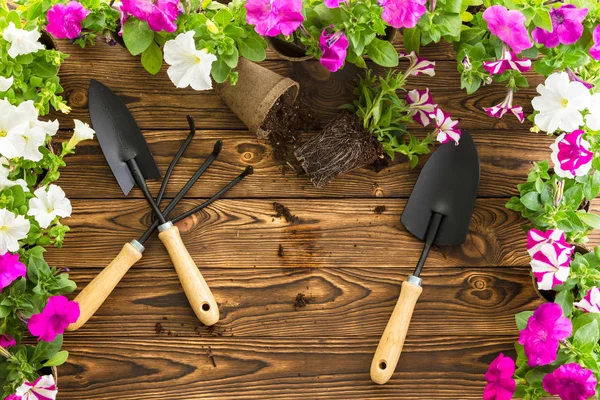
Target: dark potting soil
[344,145]
[381,163]
[301,301]
[283,124]
[379,209]
[283,211]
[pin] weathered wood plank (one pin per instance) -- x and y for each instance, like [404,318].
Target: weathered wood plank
[328,233]
[156,104]
[505,160]
[341,302]
[176,368]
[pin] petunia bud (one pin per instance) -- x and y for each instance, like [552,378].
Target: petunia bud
[212,28]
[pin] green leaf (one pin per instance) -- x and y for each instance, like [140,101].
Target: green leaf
[252,48]
[220,70]
[58,359]
[137,36]
[542,19]
[152,58]
[223,17]
[532,201]
[231,59]
[589,219]
[565,300]
[587,334]
[412,39]
[521,319]
[383,53]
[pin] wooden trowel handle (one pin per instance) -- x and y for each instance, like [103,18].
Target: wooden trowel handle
[391,343]
[197,291]
[96,292]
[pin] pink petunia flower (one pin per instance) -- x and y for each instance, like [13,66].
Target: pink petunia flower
[334,47]
[64,20]
[567,26]
[402,13]
[6,341]
[418,65]
[13,397]
[499,110]
[571,155]
[509,60]
[509,26]
[570,382]
[161,15]
[333,3]
[420,106]
[595,49]
[499,377]
[274,17]
[591,301]
[10,269]
[43,388]
[54,319]
[445,127]
[545,329]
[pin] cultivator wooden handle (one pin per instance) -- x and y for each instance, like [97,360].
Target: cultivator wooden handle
[391,343]
[97,291]
[197,291]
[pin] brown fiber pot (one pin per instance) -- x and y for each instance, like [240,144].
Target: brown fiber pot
[550,295]
[255,93]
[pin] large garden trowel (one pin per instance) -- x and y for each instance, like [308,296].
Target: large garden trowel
[439,213]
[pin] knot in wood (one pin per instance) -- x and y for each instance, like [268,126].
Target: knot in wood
[78,98]
[251,153]
[478,282]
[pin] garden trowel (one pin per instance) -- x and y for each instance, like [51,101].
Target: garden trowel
[439,213]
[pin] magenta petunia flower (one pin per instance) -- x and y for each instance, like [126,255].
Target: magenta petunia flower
[420,106]
[499,377]
[591,301]
[402,13]
[6,341]
[13,397]
[509,26]
[161,15]
[54,319]
[570,382]
[418,65]
[545,328]
[274,17]
[567,26]
[334,47]
[10,269]
[64,20]
[499,110]
[509,60]
[333,3]
[571,155]
[536,239]
[574,78]
[445,127]
[595,49]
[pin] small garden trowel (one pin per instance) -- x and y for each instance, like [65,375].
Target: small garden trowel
[438,212]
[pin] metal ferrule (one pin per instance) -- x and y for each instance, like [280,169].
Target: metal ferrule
[137,245]
[165,226]
[415,280]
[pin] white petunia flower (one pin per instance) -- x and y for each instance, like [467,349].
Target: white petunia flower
[12,127]
[21,41]
[6,183]
[188,66]
[34,139]
[560,103]
[49,127]
[6,83]
[12,229]
[593,118]
[49,202]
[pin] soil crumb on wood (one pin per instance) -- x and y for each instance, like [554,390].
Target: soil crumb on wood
[381,163]
[301,301]
[280,251]
[379,210]
[283,211]
[158,328]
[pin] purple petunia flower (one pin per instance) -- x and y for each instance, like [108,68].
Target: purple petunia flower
[10,269]
[574,78]
[591,301]
[161,15]
[402,13]
[595,49]
[499,377]
[334,47]
[566,26]
[571,155]
[509,26]
[499,110]
[418,65]
[570,382]
[333,3]
[545,328]
[6,341]
[58,314]
[509,60]
[64,20]
[274,17]
[420,106]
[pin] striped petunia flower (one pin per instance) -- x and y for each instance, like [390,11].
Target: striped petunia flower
[418,65]
[508,61]
[551,256]
[445,130]
[536,239]
[591,301]
[43,388]
[499,110]
[420,105]
[571,155]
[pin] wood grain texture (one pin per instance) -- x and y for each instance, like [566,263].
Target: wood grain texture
[343,302]
[505,160]
[329,233]
[260,368]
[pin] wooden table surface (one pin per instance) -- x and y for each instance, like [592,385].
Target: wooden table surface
[345,257]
